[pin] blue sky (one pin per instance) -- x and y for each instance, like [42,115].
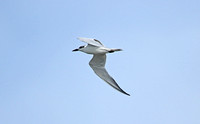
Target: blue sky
[43,82]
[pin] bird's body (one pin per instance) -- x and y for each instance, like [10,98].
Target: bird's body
[90,49]
[98,61]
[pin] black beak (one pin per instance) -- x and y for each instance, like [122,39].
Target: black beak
[74,50]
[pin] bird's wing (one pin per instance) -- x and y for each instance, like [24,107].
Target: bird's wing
[98,65]
[91,41]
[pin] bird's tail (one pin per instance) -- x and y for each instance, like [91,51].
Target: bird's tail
[113,50]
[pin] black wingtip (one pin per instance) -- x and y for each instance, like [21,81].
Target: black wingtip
[125,93]
[128,94]
[118,88]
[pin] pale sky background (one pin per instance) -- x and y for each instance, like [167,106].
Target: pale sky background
[43,82]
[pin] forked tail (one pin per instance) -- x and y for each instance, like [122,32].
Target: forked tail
[113,50]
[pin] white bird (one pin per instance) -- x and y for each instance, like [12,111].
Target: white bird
[97,63]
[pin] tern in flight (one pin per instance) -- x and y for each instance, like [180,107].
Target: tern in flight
[97,63]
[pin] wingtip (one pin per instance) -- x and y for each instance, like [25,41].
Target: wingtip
[122,91]
[126,93]
[82,38]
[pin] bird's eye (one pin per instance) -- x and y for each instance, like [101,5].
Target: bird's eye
[81,47]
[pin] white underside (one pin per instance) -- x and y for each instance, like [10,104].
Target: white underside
[89,49]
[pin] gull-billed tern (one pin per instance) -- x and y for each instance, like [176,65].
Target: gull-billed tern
[97,63]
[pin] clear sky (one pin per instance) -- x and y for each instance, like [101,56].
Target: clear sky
[43,82]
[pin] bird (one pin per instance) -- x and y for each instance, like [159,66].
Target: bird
[98,61]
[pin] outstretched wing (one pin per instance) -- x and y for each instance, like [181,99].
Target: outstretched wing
[91,41]
[98,65]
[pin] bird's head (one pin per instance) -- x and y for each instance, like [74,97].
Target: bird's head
[79,49]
